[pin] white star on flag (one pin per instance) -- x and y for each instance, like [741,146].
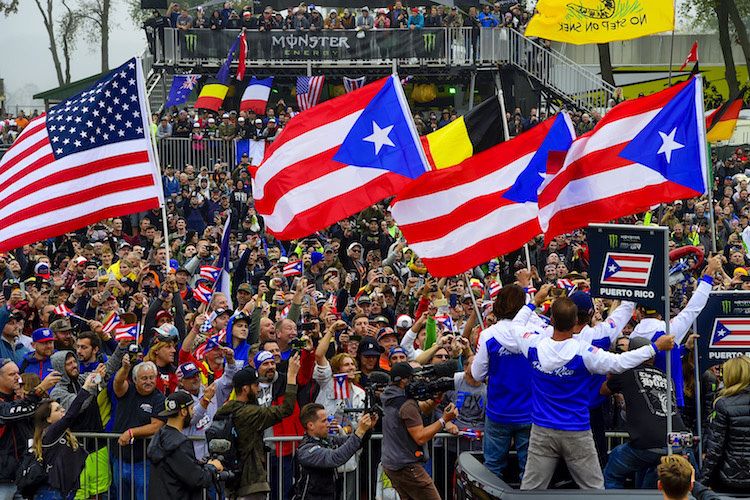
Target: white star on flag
[379,137]
[668,144]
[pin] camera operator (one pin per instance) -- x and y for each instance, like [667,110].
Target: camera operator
[405,437]
[175,471]
[319,454]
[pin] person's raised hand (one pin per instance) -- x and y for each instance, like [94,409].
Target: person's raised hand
[714,264]
[293,369]
[665,342]
[50,380]
[210,391]
[541,295]
[450,412]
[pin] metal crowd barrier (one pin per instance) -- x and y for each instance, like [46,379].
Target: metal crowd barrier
[113,475]
[178,152]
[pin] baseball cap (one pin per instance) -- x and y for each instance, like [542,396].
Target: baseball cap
[315,257]
[415,9]
[127,281]
[176,402]
[369,347]
[404,321]
[363,298]
[187,370]
[583,301]
[245,287]
[218,312]
[354,244]
[400,371]
[258,120]
[246,376]
[124,244]
[397,349]
[163,314]
[167,329]
[17,314]
[225,115]
[636,342]
[328,248]
[61,325]
[384,332]
[42,335]
[42,269]
[381,319]
[261,357]
[80,261]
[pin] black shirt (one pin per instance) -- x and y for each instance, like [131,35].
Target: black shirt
[645,390]
[135,410]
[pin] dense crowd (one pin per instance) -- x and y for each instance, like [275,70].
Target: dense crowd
[360,302]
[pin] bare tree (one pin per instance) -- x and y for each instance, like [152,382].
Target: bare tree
[67,32]
[95,13]
[50,27]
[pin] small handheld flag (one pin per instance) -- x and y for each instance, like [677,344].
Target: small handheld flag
[126,332]
[293,268]
[210,272]
[203,293]
[63,310]
[111,322]
[341,386]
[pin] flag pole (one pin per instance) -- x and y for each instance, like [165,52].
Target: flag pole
[707,170]
[671,42]
[165,227]
[474,302]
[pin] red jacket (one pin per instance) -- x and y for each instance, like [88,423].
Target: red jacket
[291,426]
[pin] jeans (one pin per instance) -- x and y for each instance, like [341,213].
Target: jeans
[47,492]
[497,441]
[8,491]
[127,477]
[625,460]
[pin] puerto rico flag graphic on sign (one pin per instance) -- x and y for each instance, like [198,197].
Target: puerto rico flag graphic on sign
[627,269]
[731,332]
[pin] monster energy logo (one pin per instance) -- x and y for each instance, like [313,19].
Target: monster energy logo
[613,240]
[429,41]
[726,306]
[191,42]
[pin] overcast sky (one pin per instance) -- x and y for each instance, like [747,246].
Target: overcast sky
[26,62]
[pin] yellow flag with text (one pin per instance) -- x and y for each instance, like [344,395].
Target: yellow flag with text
[600,21]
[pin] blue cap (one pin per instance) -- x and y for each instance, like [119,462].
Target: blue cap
[583,301]
[42,335]
[397,349]
[187,370]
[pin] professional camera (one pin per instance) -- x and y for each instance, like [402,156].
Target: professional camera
[298,343]
[217,449]
[432,380]
[377,382]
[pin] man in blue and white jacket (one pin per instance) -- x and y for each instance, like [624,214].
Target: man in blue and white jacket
[561,367]
[652,326]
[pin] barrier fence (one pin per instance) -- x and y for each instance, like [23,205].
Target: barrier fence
[115,472]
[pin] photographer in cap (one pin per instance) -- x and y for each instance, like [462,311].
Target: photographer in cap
[405,437]
[175,471]
[319,454]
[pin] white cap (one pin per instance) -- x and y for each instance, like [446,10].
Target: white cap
[404,322]
[211,120]
[240,119]
[258,120]
[225,115]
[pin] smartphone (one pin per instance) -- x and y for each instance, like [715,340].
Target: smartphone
[294,283]
[91,284]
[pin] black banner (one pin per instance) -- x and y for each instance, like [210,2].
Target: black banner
[724,328]
[316,45]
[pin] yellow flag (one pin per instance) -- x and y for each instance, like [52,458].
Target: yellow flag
[600,21]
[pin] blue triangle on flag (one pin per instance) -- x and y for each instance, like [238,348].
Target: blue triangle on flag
[721,331]
[671,142]
[525,188]
[611,268]
[382,137]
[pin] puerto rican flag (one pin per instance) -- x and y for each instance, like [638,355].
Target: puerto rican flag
[495,288]
[210,273]
[567,285]
[731,332]
[208,345]
[643,152]
[627,269]
[126,332]
[446,321]
[341,386]
[111,323]
[203,293]
[293,268]
[63,310]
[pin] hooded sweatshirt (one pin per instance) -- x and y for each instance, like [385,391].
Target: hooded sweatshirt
[175,472]
[32,365]
[65,392]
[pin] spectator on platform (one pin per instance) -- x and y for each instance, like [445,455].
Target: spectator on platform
[487,19]
[416,20]
[332,22]
[348,21]
[185,20]
[216,22]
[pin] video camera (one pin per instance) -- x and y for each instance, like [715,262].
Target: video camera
[432,380]
[377,382]
[217,449]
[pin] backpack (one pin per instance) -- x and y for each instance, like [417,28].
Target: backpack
[224,435]
[29,475]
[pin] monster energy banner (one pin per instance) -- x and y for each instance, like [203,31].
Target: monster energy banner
[629,263]
[724,328]
[318,45]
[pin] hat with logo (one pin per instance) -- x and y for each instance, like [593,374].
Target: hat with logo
[245,287]
[363,299]
[176,402]
[61,325]
[42,335]
[368,346]
[381,319]
[404,321]
[261,357]
[583,301]
[42,269]
[187,370]
[384,332]
[17,314]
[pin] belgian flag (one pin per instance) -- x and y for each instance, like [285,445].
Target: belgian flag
[721,123]
[478,130]
[212,95]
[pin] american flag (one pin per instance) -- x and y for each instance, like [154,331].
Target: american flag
[126,332]
[63,310]
[293,268]
[206,326]
[111,322]
[210,272]
[627,269]
[308,91]
[731,332]
[87,159]
[354,83]
[341,386]
[203,293]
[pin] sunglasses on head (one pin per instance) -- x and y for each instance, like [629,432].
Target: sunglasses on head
[164,338]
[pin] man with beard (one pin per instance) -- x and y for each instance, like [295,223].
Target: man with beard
[175,471]
[251,420]
[64,340]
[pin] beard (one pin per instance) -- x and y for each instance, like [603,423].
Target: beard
[186,421]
